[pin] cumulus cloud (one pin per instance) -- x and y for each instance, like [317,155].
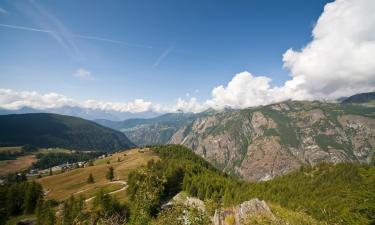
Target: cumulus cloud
[83,74]
[13,100]
[190,105]
[339,61]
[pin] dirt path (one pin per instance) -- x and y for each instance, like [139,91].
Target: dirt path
[112,192]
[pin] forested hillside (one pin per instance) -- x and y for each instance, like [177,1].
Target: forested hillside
[337,194]
[322,194]
[53,130]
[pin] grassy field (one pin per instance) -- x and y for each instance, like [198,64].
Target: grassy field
[74,182]
[11,149]
[54,150]
[12,166]
[25,161]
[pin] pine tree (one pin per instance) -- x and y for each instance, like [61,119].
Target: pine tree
[44,213]
[110,173]
[90,179]
[33,193]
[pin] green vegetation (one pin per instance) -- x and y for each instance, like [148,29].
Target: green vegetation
[110,174]
[90,179]
[284,126]
[52,130]
[47,160]
[360,98]
[326,141]
[343,193]
[18,197]
[11,153]
[324,194]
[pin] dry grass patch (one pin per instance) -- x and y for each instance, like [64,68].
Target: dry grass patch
[13,149]
[12,166]
[62,186]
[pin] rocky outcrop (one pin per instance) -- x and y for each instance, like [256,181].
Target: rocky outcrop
[240,213]
[263,142]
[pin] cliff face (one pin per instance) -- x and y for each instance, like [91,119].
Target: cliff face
[263,142]
[157,133]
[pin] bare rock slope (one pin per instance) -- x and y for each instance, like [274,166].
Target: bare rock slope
[263,142]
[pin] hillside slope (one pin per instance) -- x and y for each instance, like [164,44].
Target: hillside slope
[53,130]
[156,130]
[361,98]
[264,142]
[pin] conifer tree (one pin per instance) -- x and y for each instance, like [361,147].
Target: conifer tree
[90,179]
[110,173]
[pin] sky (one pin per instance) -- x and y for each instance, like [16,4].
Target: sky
[135,56]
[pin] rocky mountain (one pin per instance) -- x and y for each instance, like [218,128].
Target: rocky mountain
[263,142]
[156,130]
[86,113]
[360,98]
[53,130]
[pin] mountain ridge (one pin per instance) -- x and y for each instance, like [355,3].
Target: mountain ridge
[54,130]
[263,142]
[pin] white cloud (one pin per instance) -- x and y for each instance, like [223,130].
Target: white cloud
[190,105]
[83,74]
[339,61]
[243,90]
[137,105]
[13,100]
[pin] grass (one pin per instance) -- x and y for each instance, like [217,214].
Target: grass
[63,185]
[54,150]
[19,164]
[22,162]
[15,219]
[13,149]
[286,216]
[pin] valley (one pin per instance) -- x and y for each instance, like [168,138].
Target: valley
[263,142]
[258,112]
[293,162]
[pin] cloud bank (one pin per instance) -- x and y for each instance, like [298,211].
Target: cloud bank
[339,61]
[14,100]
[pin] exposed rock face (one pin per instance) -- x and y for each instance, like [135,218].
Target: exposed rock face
[261,143]
[186,201]
[150,133]
[242,211]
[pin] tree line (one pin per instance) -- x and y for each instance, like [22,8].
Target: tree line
[50,159]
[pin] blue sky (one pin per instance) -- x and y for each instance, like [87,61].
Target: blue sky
[174,47]
[187,55]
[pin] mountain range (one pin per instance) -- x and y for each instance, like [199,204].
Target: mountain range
[86,113]
[52,130]
[263,142]
[257,143]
